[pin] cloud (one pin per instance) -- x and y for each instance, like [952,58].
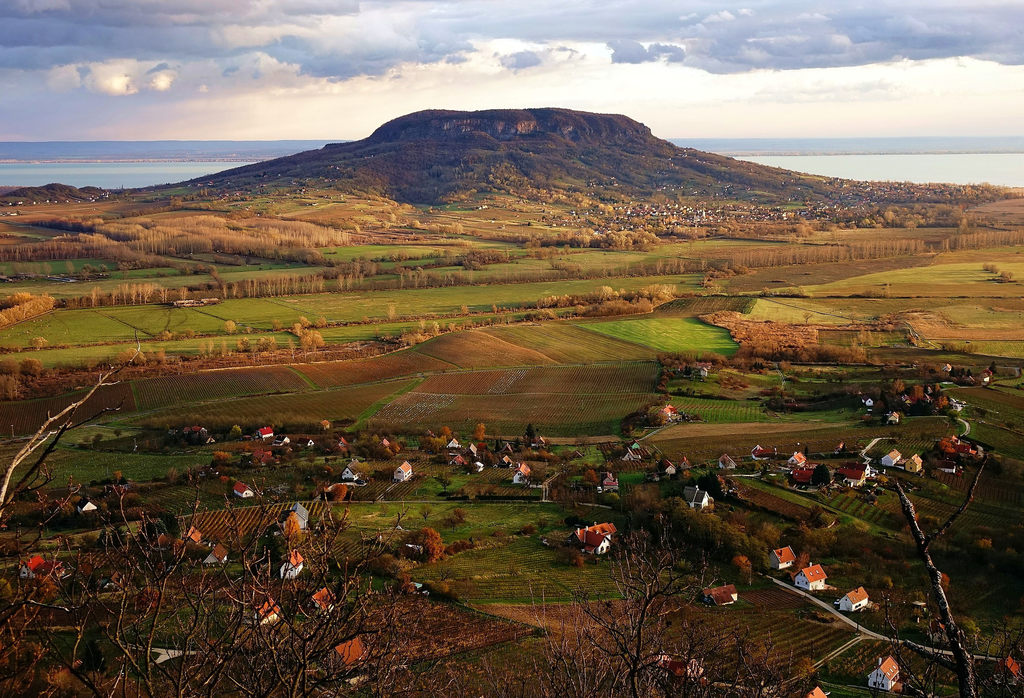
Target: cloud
[521,60]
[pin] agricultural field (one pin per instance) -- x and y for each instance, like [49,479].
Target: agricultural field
[334,374]
[153,393]
[668,334]
[25,416]
[619,378]
[564,342]
[231,524]
[720,411]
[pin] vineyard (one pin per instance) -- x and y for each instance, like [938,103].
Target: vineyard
[553,414]
[26,416]
[294,410]
[624,378]
[773,598]
[565,343]
[773,503]
[227,525]
[854,665]
[437,630]
[721,411]
[215,385]
[855,505]
[335,374]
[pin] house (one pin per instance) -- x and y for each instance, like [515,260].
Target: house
[720,596]
[538,442]
[506,462]
[701,370]
[852,475]
[403,472]
[343,444]
[281,440]
[801,476]
[670,413]
[522,475]
[892,458]
[478,466]
[631,456]
[166,541]
[324,599]
[781,558]
[868,403]
[84,506]
[37,567]
[949,466]
[456,460]
[1008,672]
[947,367]
[913,464]
[385,443]
[886,675]
[268,613]
[609,483]
[292,567]
[816,692]
[725,462]
[810,578]
[596,539]
[892,418]
[668,468]
[473,450]
[349,474]
[760,453]
[697,498]
[797,460]
[350,652]
[854,600]
[454,443]
[680,670]
[194,535]
[217,556]
[265,433]
[301,513]
[243,490]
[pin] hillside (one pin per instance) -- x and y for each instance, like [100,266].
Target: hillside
[434,156]
[61,193]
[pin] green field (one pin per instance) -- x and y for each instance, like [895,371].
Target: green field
[668,334]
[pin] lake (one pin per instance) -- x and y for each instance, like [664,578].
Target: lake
[108,175]
[1003,169]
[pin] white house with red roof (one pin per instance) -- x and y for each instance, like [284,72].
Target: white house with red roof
[810,578]
[797,460]
[596,539]
[759,452]
[781,558]
[854,600]
[609,483]
[522,475]
[892,458]
[403,472]
[292,567]
[886,675]
[265,433]
[243,490]
[853,475]
[268,613]
[37,567]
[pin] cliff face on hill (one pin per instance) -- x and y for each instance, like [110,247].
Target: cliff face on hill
[437,155]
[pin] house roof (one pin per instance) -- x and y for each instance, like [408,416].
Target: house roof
[726,459]
[609,477]
[295,558]
[814,573]
[694,494]
[889,667]
[265,431]
[241,488]
[1010,666]
[220,552]
[785,554]
[798,457]
[857,595]
[35,562]
[324,598]
[269,608]
[405,467]
[194,534]
[351,652]
[802,475]
[851,472]
[721,595]
[523,468]
[894,454]
[816,692]
[592,536]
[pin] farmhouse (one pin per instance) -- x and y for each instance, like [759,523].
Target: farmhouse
[595,540]
[37,567]
[292,567]
[853,475]
[243,490]
[759,452]
[522,475]
[301,515]
[631,456]
[454,443]
[797,460]
[781,558]
[268,613]
[265,433]
[349,474]
[478,466]
[194,535]
[281,440]
[913,464]
[506,462]
[854,600]
[457,459]
[609,483]
[697,498]
[669,413]
[886,675]
[892,418]
[668,468]
[84,506]
[801,476]
[810,578]
[725,462]
[403,472]
[892,458]
[324,599]
[217,556]
[720,596]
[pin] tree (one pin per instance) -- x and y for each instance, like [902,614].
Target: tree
[531,434]
[425,511]
[292,527]
[38,343]
[710,483]
[821,475]
[444,479]
[230,327]
[235,432]
[480,432]
[430,540]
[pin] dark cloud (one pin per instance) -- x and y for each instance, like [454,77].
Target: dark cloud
[339,39]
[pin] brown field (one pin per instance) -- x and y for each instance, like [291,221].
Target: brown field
[334,374]
[630,378]
[24,417]
[211,385]
[478,349]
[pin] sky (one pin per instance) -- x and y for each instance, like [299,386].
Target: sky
[336,69]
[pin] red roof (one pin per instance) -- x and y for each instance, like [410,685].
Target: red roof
[814,573]
[721,595]
[802,475]
[241,487]
[405,467]
[1010,666]
[295,558]
[593,536]
[890,668]
[816,693]
[352,651]
[851,472]
[857,595]
[324,598]
[785,554]
[265,431]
